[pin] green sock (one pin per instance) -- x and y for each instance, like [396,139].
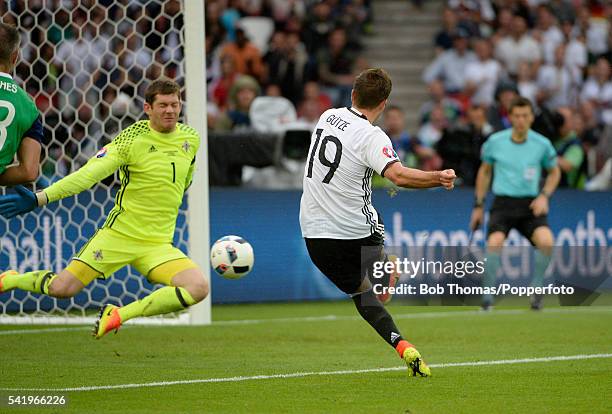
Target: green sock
[37,281]
[165,300]
[541,264]
[493,262]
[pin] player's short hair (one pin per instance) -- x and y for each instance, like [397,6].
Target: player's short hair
[372,86]
[521,102]
[9,41]
[161,87]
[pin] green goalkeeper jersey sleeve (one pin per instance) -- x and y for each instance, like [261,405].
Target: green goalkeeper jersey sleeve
[18,114]
[155,170]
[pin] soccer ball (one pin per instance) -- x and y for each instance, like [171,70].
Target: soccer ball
[232,257]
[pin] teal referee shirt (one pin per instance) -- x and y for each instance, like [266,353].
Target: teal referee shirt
[517,168]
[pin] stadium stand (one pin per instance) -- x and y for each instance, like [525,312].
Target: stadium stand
[556,52]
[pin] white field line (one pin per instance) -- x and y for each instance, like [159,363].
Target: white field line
[308,374]
[331,318]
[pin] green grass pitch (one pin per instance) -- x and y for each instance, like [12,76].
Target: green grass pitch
[304,338]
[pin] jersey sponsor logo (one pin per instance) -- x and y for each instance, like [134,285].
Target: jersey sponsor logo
[101,153]
[389,152]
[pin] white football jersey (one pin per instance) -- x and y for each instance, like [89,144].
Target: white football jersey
[345,150]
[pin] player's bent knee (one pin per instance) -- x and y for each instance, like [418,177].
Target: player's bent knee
[199,290]
[65,286]
[193,280]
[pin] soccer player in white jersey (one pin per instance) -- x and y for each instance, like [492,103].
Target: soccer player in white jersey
[343,232]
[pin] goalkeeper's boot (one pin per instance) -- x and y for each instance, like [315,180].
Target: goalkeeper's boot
[2,275]
[108,320]
[416,365]
[390,281]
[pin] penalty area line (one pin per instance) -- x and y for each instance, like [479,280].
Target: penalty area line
[310,374]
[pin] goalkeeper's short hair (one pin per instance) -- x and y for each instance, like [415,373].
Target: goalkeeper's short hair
[161,87]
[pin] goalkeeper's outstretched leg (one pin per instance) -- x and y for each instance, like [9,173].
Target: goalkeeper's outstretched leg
[65,284]
[186,286]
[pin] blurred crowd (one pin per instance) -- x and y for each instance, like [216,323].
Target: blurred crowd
[87,62]
[305,51]
[557,53]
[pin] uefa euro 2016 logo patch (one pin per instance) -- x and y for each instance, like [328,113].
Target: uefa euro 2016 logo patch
[101,153]
[389,152]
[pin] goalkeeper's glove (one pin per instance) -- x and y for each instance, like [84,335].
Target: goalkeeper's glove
[21,202]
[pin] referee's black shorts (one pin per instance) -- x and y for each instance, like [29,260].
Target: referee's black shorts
[346,262]
[514,213]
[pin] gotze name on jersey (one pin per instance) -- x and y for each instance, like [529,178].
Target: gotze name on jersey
[345,151]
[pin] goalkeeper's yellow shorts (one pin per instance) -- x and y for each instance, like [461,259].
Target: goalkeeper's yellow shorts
[108,251]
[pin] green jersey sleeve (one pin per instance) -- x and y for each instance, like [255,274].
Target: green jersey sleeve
[103,164]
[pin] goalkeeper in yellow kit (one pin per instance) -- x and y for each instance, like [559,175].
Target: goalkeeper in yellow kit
[156,159]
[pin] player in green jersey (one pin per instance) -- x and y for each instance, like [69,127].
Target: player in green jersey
[156,160]
[20,126]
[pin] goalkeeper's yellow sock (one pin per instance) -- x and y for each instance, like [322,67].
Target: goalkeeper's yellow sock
[165,300]
[37,281]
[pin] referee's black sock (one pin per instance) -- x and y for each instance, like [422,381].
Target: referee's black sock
[370,309]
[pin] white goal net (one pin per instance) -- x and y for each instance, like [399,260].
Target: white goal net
[86,64]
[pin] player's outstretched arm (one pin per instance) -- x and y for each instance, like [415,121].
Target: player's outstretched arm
[26,171]
[23,201]
[103,164]
[413,178]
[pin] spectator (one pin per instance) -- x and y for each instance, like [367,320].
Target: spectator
[220,88]
[313,102]
[410,150]
[526,84]
[570,153]
[450,66]
[432,130]
[443,40]
[482,75]
[517,47]
[460,146]
[504,25]
[557,84]
[337,68]
[598,90]
[287,66]
[549,33]
[318,26]
[246,55]
[576,55]
[450,106]
[497,114]
[596,31]
[242,94]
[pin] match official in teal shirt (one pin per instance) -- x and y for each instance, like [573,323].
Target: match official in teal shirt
[516,157]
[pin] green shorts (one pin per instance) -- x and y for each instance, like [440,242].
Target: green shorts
[108,251]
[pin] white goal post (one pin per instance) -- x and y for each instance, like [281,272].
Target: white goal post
[127,45]
[199,217]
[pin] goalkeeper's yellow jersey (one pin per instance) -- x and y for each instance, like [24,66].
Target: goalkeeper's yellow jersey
[155,170]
